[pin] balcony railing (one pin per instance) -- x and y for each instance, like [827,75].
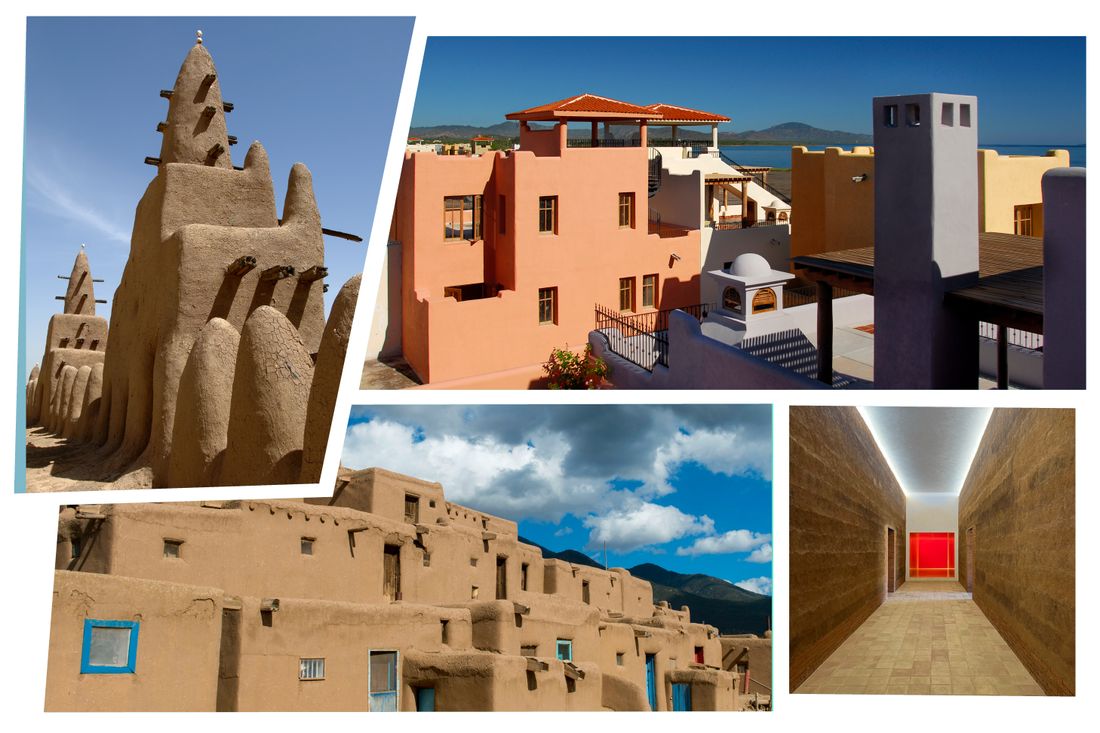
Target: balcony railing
[642,338]
[601,142]
[1020,339]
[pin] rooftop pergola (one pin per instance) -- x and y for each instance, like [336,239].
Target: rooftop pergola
[1008,293]
[592,109]
[676,117]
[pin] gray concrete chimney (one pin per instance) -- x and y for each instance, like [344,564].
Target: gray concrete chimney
[926,239]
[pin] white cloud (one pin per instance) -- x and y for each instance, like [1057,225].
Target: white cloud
[643,524]
[761,585]
[737,540]
[562,532]
[761,554]
[61,202]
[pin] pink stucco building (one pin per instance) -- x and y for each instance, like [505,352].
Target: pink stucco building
[503,256]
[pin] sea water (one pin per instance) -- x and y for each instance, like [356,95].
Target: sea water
[779,156]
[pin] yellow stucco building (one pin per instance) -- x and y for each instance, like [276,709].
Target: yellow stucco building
[834,192]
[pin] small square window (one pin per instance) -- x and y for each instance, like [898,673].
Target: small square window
[619,656]
[173,549]
[890,115]
[564,650]
[307,545]
[312,668]
[947,115]
[110,647]
[912,115]
[529,650]
[474,591]
[473,562]
[964,115]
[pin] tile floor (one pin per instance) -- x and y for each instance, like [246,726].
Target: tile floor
[928,638]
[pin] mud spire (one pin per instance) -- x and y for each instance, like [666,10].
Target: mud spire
[79,296]
[195,131]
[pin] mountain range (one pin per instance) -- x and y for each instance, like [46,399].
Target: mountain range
[786,132]
[713,601]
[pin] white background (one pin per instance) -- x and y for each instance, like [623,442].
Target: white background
[27,541]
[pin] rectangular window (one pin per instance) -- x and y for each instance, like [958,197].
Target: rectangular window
[626,294]
[462,217]
[619,658]
[412,508]
[626,210]
[502,214]
[173,549]
[890,115]
[912,115]
[529,650]
[1023,218]
[75,543]
[649,291]
[110,647]
[548,305]
[311,668]
[699,655]
[548,214]
[964,115]
[564,650]
[947,115]
[586,592]
[307,545]
[523,576]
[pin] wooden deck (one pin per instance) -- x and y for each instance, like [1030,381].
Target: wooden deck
[1009,290]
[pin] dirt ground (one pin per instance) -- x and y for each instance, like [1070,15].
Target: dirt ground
[55,464]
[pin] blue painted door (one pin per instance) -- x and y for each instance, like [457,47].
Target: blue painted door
[383,682]
[681,696]
[651,680]
[425,700]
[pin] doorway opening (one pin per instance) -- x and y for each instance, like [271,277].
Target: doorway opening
[891,560]
[971,557]
[391,573]
[502,577]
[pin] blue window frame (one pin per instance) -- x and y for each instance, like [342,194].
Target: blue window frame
[564,650]
[110,647]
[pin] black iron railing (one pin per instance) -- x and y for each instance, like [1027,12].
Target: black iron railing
[1020,339]
[601,142]
[642,338]
[758,178]
[666,143]
[655,163]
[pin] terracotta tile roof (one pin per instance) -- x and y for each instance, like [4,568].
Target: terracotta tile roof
[672,113]
[482,138]
[584,106]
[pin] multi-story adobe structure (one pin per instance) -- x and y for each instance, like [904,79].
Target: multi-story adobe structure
[835,192]
[497,258]
[383,597]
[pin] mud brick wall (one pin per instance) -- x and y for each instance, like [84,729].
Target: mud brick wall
[843,498]
[1019,498]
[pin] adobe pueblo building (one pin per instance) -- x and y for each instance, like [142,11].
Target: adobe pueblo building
[222,368]
[384,597]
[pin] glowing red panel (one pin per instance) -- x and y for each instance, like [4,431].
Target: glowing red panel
[931,554]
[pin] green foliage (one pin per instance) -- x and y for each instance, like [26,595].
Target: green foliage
[566,369]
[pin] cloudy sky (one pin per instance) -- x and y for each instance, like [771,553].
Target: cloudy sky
[687,487]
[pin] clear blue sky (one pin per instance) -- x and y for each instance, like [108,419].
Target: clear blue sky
[688,487]
[318,91]
[1030,90]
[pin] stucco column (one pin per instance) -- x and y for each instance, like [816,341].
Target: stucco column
[643,134]
[595,133]
[563,134]
[714,136]
[824,332]
[1064,278]
[674,129]
[744,201]
[1002,356]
